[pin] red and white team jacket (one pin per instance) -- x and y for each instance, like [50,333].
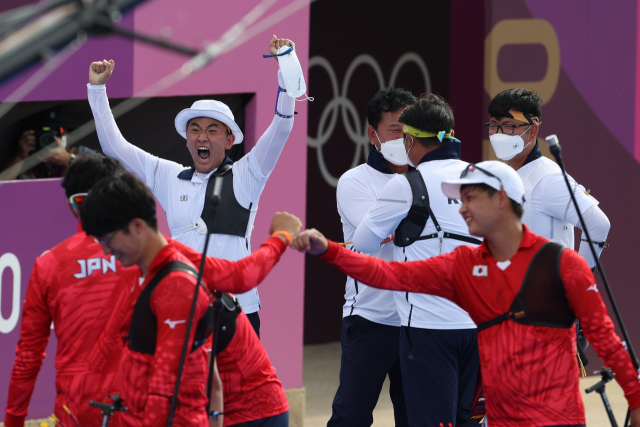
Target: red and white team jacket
[530,373]
[75,286]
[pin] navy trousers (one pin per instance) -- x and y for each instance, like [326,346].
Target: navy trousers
[369,354]
[439,373]
[254,319]
[281,420]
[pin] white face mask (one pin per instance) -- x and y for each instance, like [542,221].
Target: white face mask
[292,73]
[409,158]
[507,147]
[393,151]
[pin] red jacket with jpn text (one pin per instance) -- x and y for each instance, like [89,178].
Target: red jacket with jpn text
[530,373]
[75,286]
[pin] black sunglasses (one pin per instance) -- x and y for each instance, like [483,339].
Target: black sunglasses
[472,167]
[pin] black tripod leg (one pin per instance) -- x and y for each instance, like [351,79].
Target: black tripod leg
[628,418]
[607,406]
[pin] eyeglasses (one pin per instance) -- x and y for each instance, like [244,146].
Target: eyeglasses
[492,128]
[76,200]
[472,168]
[107,241]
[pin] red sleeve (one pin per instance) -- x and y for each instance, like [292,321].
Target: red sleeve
[34,336]
[240,276]
[171,303]
[432,276]
[586,303]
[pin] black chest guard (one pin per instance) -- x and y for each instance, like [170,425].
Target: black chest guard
[410,228]
[230,217]
[541,300]
[144,324]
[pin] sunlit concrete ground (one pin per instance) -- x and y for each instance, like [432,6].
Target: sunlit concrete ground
[320,379]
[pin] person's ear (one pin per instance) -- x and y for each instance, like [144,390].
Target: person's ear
[371,133]
[230,140]
[504,200]
[534,131]
[136,226]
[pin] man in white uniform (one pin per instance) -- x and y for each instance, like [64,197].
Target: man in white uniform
[438,340]
[210,129]
[371,325]
[548,211]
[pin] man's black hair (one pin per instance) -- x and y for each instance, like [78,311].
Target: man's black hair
[430,113]
[386,100]
[517,207]
[114,202]
[87,169]
[523,100]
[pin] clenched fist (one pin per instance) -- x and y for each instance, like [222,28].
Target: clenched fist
[277,43]
[283,221]
[99,72]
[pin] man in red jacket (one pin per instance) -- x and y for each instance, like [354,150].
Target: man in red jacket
[75,286]
[522,291]
[120,213]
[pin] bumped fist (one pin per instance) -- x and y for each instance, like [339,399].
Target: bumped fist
[283,221]
[311,241]
[99,72]
[277,43]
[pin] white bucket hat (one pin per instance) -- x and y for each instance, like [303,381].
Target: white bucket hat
[208,108]
[492,173]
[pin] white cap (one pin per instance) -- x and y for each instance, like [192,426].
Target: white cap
[500,173]
[208,108]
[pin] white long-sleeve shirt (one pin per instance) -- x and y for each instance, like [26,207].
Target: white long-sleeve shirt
[358,189]
[549,211]
[183,199]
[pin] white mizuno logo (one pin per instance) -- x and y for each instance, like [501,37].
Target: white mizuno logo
[172,323]
[593,287]
[480,270]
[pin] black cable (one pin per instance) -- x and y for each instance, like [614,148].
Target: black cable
[214,200]
[556,150]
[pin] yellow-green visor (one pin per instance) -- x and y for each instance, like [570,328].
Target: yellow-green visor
[424,134]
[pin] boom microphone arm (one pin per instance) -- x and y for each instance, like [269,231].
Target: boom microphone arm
[33,33]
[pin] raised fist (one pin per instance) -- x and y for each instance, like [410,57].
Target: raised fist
[277,43]
[99,72]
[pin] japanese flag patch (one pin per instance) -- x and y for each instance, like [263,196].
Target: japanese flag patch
[480,270]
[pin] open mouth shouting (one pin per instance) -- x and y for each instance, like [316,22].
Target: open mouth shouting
[203,153]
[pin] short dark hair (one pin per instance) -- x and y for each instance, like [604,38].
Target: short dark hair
[386,100]
[87,169]
[517,207]
[523,100]
[114,202]
[430,113]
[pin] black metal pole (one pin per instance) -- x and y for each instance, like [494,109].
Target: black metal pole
[215,199]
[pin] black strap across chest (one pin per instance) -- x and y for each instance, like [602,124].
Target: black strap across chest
[541,299]
[230,217]
[410,228]
[143,330]
[227,309]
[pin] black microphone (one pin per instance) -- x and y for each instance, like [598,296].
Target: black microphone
[554,147]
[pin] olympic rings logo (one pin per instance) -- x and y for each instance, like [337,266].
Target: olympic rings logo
[340,102]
